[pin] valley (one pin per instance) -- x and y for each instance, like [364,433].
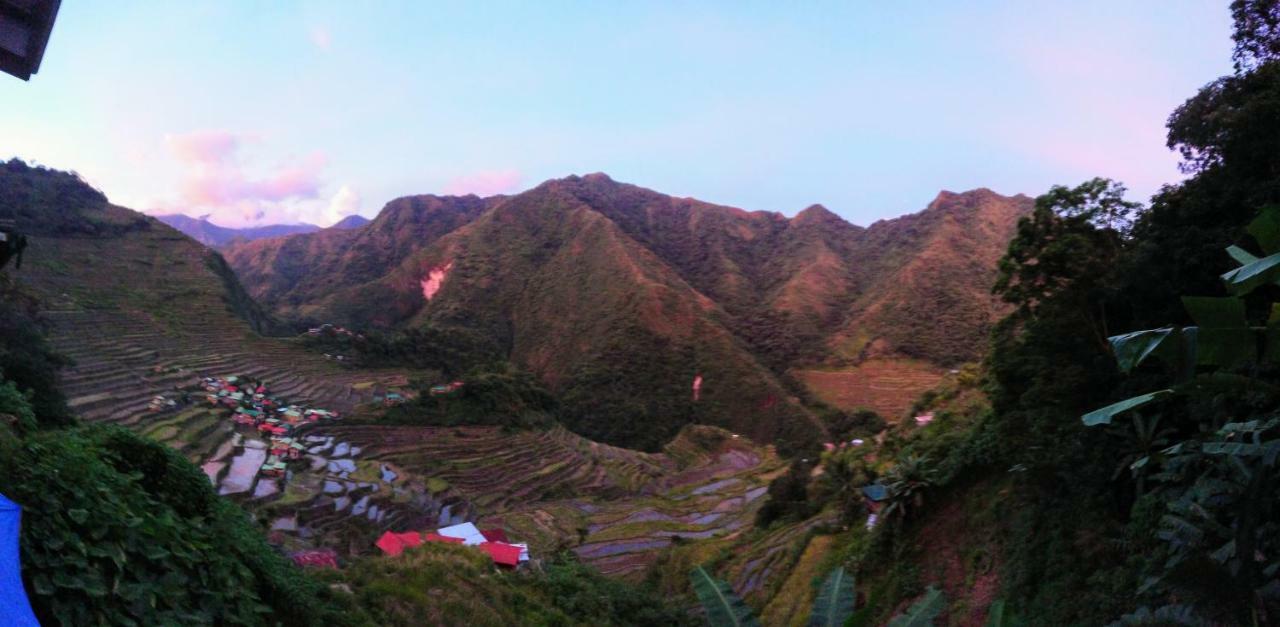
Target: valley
[160,332]
[503,387]
[136,336]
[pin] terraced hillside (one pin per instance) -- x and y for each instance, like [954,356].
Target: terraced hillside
[616,508]
[888,386]
[145,312]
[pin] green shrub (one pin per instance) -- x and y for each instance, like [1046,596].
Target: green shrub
[120,530]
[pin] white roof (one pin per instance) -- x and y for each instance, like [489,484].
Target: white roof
[470,535]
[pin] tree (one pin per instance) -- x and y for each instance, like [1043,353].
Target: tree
[1066,248]
[1051,354]
[907,482]
[1257,33]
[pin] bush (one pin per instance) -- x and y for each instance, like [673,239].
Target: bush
[496,395]
[447,349]
[26,358]
[123,531]
[439,584]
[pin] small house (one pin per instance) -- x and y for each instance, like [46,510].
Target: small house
[468,532]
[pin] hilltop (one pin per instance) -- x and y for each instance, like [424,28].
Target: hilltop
[215,236]
[611,293]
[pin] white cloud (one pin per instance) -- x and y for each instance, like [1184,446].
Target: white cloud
[344,203]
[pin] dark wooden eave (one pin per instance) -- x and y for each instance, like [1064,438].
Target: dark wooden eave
[24,32]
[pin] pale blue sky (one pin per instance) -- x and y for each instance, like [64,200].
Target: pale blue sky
[258,111]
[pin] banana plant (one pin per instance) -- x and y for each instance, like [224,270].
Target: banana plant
[1222,336]
[723,607]
[999,615]
[922,612]
[836,600]
[907,482]
[1220,484]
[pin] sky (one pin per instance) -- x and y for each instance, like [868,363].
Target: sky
[270,112]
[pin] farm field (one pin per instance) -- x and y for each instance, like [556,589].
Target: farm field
[888,386]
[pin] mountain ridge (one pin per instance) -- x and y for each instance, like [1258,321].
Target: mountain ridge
[216,236]
[595,285]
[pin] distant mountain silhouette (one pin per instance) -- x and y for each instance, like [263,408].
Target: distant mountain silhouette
[214,236]
[350,222]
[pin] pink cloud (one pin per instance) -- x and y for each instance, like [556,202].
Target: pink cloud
[203,147]
[216,182]
[484,183]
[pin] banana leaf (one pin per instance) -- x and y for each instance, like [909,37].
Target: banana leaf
[1104,415]
[1271,349]
[1253,275]
[1242,256]
[1227,348]
[922,612]
[724,608]
[1132,348]
[1266,229]
[835,601]
[999,616]
[1216,313]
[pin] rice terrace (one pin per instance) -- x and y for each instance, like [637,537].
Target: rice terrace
[573,314]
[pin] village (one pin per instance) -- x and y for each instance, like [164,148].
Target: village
[282,457]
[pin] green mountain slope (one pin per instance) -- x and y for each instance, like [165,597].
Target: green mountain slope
[618,296]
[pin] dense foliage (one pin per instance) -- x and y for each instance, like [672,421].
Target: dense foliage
[448,350]
[439,584]
[1165,514]
[43,201]
[26,359]
[495,395]
[120,530]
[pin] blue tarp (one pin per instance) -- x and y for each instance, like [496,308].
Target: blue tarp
[14,608]
[876,492]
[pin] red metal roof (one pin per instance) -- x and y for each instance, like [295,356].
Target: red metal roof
[502,553]
[393,543]
[494,535]
[435,537]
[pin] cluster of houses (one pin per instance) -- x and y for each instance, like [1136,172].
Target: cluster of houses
[161,403]
[831,446]
[446,388]
[502,551]
[254,407]
[326,329]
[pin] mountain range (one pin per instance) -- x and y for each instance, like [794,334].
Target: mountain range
[618,297]
[215,236]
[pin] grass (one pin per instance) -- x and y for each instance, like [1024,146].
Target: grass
[294,494]
[791,604]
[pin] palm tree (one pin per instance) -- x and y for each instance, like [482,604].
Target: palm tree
[906,483]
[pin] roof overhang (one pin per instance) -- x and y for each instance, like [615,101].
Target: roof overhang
[24,32]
